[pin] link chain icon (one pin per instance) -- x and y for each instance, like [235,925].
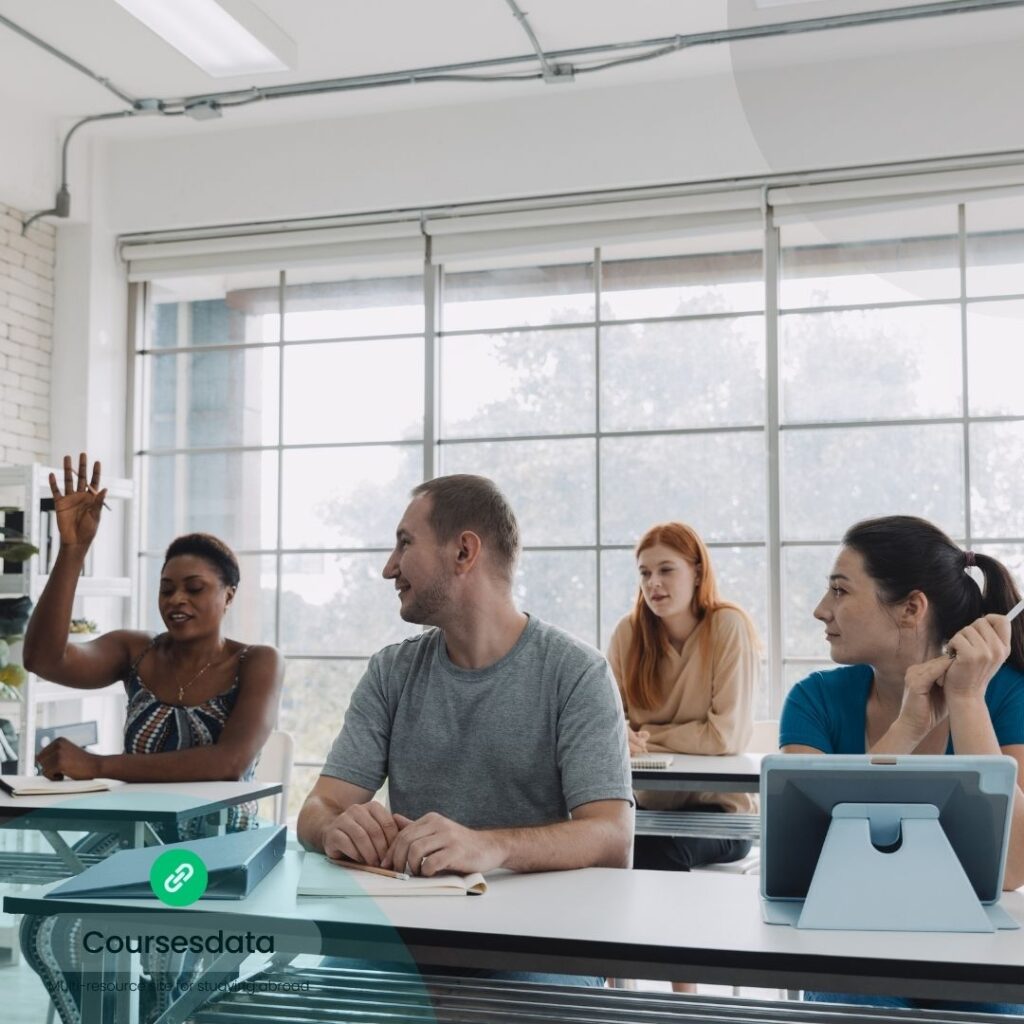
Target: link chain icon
[178,878]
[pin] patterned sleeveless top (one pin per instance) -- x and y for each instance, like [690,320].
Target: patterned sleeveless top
[153,727]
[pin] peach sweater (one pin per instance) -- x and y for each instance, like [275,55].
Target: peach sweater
[705,706]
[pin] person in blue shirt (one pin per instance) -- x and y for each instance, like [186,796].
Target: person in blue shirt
[931,665]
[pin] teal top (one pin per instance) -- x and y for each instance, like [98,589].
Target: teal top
[827,709]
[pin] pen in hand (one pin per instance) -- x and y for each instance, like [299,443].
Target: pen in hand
[92,490]
[386,872]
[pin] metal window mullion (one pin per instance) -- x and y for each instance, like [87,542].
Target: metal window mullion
[982,299]
[431,361]
[586,435]
[811,425]
[219,449]
[138,301]
[858,307]
[964,408]
[182,380]
[597,443]
[278,557]
[772,443]
[582,325]
[252,346]
[287,552]
[923,421]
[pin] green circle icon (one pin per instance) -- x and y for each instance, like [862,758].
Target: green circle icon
[178,877]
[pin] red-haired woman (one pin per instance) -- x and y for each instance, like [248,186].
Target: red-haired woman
[685,662]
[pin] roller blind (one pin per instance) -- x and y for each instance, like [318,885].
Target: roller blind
[363,244]
[825,200]
[455,237]
[563,225]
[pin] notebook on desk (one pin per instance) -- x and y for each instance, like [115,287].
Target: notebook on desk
[321,876]
[235,864]
[650,762]
[40,785]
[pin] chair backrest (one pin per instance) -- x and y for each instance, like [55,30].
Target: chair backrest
[275,765]
[765,737]
[83,734]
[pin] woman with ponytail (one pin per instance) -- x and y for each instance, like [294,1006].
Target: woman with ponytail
[685,662]
[931,666]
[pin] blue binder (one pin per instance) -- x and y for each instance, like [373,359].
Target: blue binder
[236,863]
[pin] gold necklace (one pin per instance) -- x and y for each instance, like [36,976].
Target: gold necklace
[185,686]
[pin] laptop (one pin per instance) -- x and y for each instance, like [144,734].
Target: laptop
[236,863]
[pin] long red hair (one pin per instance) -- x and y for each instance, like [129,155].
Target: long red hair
[649,642]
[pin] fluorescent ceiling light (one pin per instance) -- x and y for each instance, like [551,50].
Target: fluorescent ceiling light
[231,37]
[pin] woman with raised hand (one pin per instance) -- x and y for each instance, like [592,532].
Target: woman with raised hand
[200,705]
[930,666]
[685,662]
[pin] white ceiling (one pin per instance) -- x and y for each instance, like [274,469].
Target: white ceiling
[342,38]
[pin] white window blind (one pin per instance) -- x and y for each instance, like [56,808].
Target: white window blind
[836,199]
[364,245]
[562,228]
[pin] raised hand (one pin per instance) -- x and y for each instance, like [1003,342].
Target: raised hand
[79,507]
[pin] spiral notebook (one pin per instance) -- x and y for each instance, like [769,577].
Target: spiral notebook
[650,762]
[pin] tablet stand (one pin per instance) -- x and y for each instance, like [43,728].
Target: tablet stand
[890,867]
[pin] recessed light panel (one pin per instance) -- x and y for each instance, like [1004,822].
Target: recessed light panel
[225,39]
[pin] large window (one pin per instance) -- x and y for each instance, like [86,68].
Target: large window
[605,391]
[900,354]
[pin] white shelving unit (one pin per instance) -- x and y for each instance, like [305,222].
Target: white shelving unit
[24,488]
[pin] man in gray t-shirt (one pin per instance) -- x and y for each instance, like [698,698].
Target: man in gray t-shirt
[501,737]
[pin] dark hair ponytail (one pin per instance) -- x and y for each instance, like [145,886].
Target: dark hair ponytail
[999,596]
[906,553]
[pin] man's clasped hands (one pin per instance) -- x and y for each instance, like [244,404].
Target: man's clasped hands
[369,833]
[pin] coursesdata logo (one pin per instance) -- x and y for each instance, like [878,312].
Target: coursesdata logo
[178,878]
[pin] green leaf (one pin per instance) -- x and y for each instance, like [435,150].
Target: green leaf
[17,551]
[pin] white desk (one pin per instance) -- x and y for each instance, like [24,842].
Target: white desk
[698,926]
[735,773]
[130,811]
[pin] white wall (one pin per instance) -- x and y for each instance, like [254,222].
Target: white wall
[90,354]
[29,158]
[893,108]
[26,330]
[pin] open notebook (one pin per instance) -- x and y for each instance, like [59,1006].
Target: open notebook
[321,876]
[40,785]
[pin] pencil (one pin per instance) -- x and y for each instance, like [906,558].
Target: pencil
[386,872]
[92,490]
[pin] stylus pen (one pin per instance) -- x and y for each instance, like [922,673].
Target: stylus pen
[386,872]
[1010,616]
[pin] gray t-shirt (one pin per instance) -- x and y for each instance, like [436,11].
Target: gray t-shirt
[521,742]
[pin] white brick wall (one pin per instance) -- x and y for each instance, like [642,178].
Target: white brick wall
[26,338]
